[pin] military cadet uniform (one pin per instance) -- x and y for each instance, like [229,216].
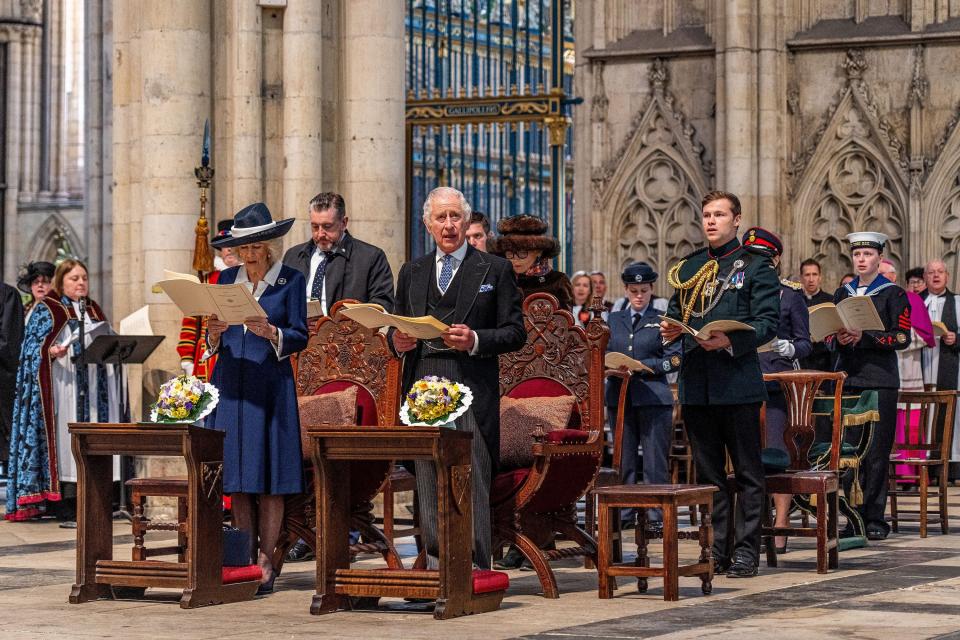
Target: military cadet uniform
[648,416]
[871,363]
[792,340]
[721,391]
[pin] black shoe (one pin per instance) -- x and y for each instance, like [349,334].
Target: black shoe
[68,524]
[720,566]
[513,560]
[300,552]
[742,567]
[847,532]
[266,588]
[876,532]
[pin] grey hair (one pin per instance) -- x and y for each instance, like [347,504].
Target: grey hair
[446,191]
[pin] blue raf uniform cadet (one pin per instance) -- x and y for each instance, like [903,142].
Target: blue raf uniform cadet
[635,332]
[793,334]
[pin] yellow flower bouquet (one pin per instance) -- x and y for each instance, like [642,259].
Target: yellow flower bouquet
[184,399]
[435,401]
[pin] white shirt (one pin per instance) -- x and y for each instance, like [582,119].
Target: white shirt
[457,259]
[316,258]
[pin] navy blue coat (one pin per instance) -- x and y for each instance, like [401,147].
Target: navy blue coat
[795,327]
[646,346]
[258,395]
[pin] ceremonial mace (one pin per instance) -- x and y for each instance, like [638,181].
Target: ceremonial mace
[202,258]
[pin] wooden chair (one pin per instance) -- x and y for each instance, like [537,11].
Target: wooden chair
[800,478]
[536,503]
[681,453]
[341,354]
[929,447]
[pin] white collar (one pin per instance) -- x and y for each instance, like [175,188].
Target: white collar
[270,277]
[931,294]
[458,255]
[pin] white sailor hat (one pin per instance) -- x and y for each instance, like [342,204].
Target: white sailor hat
[867,240]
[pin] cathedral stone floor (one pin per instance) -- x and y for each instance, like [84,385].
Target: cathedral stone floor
[903,587]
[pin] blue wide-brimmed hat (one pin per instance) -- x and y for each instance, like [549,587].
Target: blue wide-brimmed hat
[252,224]
[638,273]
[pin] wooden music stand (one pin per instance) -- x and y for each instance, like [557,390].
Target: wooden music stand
[200,576]
[453,584]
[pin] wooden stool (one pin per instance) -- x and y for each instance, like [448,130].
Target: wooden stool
[668,497]
[171,487]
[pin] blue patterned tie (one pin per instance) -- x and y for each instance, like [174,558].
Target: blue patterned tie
[316,291]
[446,273]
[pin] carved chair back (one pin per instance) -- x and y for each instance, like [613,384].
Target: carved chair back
[800,389]
[559,358]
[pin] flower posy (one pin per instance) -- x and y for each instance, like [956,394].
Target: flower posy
[432,399]
[182,399]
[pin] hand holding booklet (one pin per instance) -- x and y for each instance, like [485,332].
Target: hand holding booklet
[857,313]
[720,326]
[232,303]
[373,316]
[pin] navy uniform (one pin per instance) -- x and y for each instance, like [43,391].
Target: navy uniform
[871,364]
[721,391]
[793,336]
[648,415]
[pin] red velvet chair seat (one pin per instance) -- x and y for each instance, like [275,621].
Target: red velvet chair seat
[506,484]
[567,436]
[486,581]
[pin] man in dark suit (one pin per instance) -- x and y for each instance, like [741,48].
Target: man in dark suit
[721,387]
[11,334]
[338,266]
[648,417]
[820,358]
[476,295]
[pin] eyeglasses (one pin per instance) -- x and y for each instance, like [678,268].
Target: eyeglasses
[516,254]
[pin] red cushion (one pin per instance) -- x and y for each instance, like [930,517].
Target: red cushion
[365,403]
[506,484]
[538,387]
[486,581]
[567,436]
[227,503]
[231,575]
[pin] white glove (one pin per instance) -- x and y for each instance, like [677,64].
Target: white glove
[187,367]
[784,348]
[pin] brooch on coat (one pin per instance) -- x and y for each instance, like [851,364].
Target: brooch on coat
[281,281]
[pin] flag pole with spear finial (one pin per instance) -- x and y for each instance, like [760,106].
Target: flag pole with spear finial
[202,257]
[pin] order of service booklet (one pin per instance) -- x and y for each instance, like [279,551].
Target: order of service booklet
[373,316]
[940,329]
[856,312]
[723,326]
[615,360]
[232,303]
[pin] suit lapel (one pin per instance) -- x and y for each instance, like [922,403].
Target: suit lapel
[419,284]
[473,271]
[333,279]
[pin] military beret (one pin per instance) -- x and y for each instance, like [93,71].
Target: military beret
[638,273]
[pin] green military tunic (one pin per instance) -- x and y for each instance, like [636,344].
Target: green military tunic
[747,289]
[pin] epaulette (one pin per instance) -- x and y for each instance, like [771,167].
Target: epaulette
[796,286]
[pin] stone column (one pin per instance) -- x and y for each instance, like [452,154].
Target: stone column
[303,120]
[13,125]
[737,104]
[30,110]
[771,104]
[97,149]
[371,136]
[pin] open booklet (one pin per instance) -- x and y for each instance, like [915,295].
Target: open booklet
[724,326]
[940,329]
[856,312]
[373,316]
[232,303]
[615,360]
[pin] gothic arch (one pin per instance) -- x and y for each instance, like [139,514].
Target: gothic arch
[941,200]
[54,238]
[649,195]
[853,180]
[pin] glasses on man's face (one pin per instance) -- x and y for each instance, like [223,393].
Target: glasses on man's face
[521,255]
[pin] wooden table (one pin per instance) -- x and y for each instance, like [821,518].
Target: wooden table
[669,498]
[451,586]
[200,575]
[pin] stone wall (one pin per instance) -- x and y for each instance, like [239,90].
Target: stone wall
[824,116]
